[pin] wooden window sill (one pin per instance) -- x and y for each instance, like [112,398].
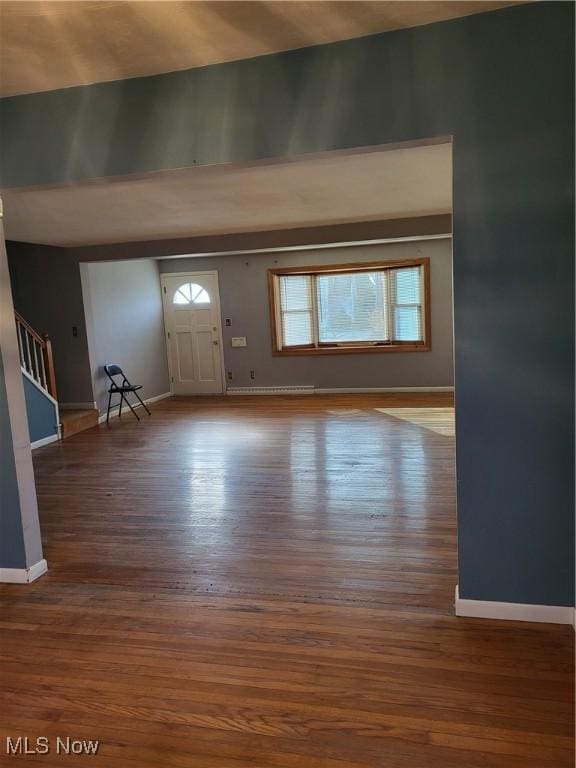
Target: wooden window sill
[352,350]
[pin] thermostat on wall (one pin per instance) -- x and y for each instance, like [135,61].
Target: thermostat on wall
[238,341]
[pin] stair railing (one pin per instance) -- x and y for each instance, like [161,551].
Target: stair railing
[36,355]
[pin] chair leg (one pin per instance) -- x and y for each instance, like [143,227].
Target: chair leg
[129,405]
[143,404]
[108,411]
[120,408]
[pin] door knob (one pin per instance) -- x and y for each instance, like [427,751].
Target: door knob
[215,343]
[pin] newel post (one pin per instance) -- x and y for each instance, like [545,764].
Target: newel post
[49,366]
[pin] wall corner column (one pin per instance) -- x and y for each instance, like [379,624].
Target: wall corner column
[21,557]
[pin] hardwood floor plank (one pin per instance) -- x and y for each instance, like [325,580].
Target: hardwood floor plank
[269,582]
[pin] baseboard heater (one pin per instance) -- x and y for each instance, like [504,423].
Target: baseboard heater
[270,391]
[311,390]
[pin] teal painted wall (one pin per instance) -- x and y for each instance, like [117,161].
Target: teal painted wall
[41,412]
[12,552]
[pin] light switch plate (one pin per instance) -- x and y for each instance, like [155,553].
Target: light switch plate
[239,341]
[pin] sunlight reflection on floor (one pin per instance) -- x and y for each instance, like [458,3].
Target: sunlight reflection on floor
[439,420]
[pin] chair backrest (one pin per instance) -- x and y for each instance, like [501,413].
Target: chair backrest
[112,370]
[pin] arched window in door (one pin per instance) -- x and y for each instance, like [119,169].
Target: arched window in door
[191,293]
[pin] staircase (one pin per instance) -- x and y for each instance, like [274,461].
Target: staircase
[45,422]
[36,357]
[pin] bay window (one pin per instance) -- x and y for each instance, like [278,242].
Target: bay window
[380,306]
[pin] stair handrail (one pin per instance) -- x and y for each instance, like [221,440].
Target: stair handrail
[36,356]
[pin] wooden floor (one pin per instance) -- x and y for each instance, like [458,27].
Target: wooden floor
[269,583]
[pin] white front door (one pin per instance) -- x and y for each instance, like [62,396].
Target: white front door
[193,332]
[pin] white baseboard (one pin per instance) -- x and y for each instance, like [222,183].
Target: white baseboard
[163,396]
[377,390]
[23,575]
[78,406]
[44,441]
[487,609]
[304,390]
[114,411]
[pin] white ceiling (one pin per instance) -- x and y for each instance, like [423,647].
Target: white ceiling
[320,189]
[47,44]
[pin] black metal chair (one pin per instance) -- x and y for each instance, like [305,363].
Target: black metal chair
[123,390]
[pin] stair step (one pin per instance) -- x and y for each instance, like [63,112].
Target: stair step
[77,421]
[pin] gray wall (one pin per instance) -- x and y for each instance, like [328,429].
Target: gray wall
[502,84]
[244,300]
[47,293]
[125,325]
[41,412]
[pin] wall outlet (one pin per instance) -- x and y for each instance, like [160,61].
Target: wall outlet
[229,375]
[252,375]
[238,341]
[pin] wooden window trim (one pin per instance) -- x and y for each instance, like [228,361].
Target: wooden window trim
[347,348]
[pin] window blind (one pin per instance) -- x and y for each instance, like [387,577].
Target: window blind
[407,303]
[296,310]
